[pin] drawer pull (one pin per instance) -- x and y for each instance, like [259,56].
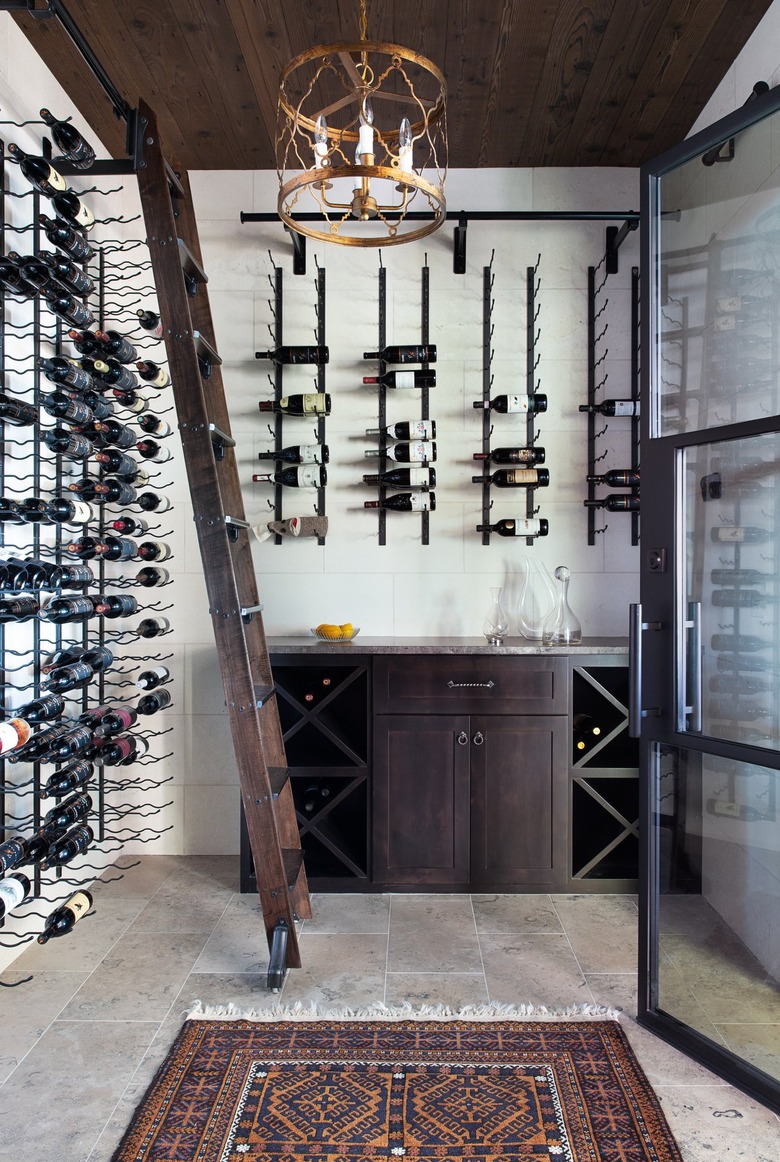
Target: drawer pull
[470,685]
[479,738]
[463,738]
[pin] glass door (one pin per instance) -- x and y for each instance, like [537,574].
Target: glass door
[706,637]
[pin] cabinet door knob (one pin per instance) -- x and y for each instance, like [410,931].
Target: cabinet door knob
[463,738]
[479,738]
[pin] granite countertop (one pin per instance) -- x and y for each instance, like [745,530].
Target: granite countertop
[513,646]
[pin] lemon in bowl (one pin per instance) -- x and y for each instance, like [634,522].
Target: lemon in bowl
[330,632]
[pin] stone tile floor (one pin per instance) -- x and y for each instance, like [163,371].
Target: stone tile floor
[81,1041]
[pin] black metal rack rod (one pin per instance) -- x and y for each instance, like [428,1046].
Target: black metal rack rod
[635,426]
[382,402]
[487,382]
[591,511]
[321,432]
[424,402]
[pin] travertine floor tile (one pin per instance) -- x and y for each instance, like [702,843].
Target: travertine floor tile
[349,912]
[454,989]
[719,1122]
[537,969]
[602,930]
[515,914]
[339,971]
[27,1009]
[432,934]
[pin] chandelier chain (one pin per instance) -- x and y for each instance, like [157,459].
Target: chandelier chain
[363,21]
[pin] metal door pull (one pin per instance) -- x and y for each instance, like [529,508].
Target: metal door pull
[462,685]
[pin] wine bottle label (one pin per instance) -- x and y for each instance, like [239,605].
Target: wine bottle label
[82,513]
[518,403]
[626,407]
[420,430]
[308,477]
[418,477]
[528,527]
[79,904]
[522,476]
[729,533]
[12,892]
[403,379]
[419,502]
[9,736]
[310,453]
[418,451]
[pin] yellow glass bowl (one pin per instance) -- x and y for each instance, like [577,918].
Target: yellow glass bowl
[341,637]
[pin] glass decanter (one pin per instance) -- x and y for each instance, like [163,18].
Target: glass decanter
[537,598]
[495,625]
[562,627]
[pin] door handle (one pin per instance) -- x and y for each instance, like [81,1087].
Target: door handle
[463,738]
[635,711]
[479,738]
[692,692]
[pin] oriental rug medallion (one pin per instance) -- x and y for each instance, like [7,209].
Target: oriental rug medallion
[357,1091]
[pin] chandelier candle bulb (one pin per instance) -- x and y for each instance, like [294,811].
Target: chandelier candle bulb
[405,147]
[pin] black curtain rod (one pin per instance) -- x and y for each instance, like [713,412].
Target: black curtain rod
[483,216]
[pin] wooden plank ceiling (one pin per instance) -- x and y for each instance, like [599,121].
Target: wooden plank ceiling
[530,82]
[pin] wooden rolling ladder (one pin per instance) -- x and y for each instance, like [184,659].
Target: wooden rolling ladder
[223,535]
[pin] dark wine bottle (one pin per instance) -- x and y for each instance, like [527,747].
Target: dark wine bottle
[150,321]
[14,889]
[66,848]
[151,576]
[739,534]
[738,684]
[70,206]
[612,407]
[313,795]
[16,412]
[118,720]
[38,744]
[114,491]
[417,452]
[38,171]
[304,476]
[403,378]
[49,265]
[407,430]
[511,404]
[296,355]
[68,307]
[63,511]
[422,353]
[585,732]
[405,502]
[112,372]
[9,510]
[153,551]
[66,407]
[65,678]
[116,434]
[13,278]
[309,404]
[85,342]
[403,478]
[745,643]
[515,478]
[128,526]
[18,608]
[112,460]
[151,703]
[122,750]
[153,502]
[117,548]
[152,627]
[42,709]
[151,679]
[740,577]
[132,401]
[116,605]
[617,478]
[298,454]
[85,488]
[62,234]
[154,426]
[62,609]
[70,778]
[63,919]
[615,502]
[70,811]
[529,456]
[68,444]
[117,345]
[740,598]
[73,147]
[85,548]
[151,450]
[152,373]
[66,372]
[517,527]
[98,657]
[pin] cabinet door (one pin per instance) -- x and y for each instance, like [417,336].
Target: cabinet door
[421,800]
[518,800]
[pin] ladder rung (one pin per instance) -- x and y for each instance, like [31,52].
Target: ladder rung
[173,180]
[293,862]
[248,611]
[205,352]
[236,521]
[263,694]
[278,776]
[189,264]
[220,437]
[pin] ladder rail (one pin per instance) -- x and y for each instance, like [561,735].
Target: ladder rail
[228,567]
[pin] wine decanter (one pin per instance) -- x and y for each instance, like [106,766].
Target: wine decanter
[562,627]
[495,625]
[537,599]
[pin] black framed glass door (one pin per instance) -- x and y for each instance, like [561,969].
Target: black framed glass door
[706,637]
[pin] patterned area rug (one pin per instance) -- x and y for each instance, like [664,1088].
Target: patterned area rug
[348,1091]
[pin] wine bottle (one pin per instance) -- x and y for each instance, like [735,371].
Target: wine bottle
[70,811]
[42,709]
[68,444]
[18,608]
[49,265]
[117,548]
[101,406]
[62,511]
[62,657]
[517,527]
[152,627]
[309,404]
[417,452]
[154,426]
[34,270]
[299,454]
[114,491]
[85,342]
[617,478]
[16,412]
[422,353]
[9,510]
[67,847]
[529,456]
[745,643]
[69,205]
[405,502]
[153,551]
[69,308]
[38,744]
[117,345]
[612,407]
[296,355]
[117,462]
[585,732]
[151,679]
[66,372]
[12,277]
[65,678]
[85,488]
[127,526]
[73,147]
[38,171]
[401,379]
[151,450]
[112,432]
[738,684]
[13,733]
[403,478]
[11,853]
[740,598]
[510,404]
[67,408]
[615,502]
[115,605]
[304,476]
[739,534]
[118,720]
[112,372]
[312,796]
[740,577]
[515,478]
[122,750]
[98,657]
[63,919]
[152,373]
[62,234]
[131,401]
[745,662]
[151,703]
[14,889]
[739,711]
[151,576]
[153,502]
[70,778]
[150,321]
[62,609]
[407,430]
[85,548]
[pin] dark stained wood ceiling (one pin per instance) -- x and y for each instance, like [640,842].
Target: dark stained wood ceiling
[530,82]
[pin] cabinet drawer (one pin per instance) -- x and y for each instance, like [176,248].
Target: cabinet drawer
[470,684]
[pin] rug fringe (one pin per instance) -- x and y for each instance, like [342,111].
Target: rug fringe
[405,1012]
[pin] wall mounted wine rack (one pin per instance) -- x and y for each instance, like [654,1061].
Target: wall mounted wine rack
[37,545]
